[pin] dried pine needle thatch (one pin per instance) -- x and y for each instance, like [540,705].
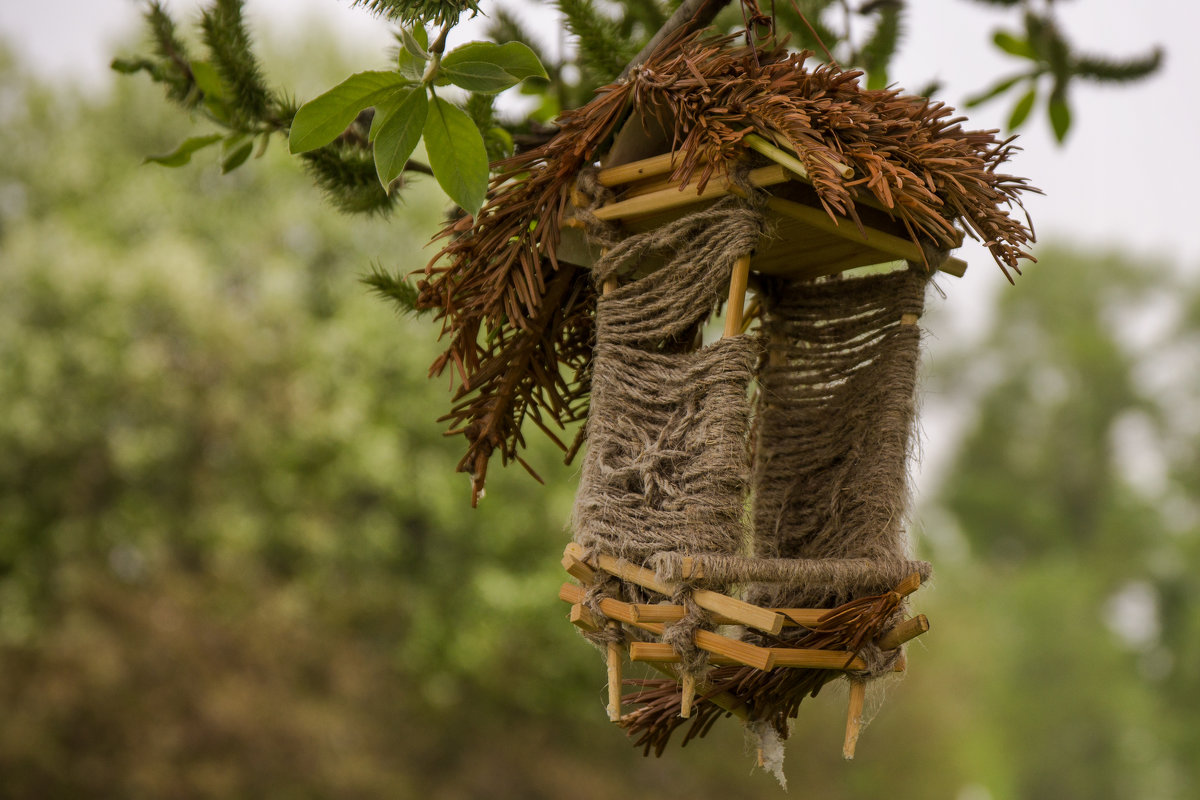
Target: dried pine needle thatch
[519,321]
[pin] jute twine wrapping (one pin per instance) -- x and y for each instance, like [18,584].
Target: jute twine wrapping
[834,429]
[667,463]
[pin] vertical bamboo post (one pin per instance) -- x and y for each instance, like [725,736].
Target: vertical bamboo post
[854,717]
[615,655]
[615,652]
[689,695]
[737,296]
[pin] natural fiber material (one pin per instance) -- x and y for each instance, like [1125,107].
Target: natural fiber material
[834,421]
[667,464]
[834,424]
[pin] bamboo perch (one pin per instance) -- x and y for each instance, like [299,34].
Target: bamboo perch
[885,242]
[795,658]
[854,716]
[745,613]
[905,631]
[737,296]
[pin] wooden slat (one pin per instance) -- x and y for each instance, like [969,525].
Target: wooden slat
[799,659]
[737,651]
[816,659]
[674,198]
[637,170]
[854,716]
[744,613]
[905,631]
[737,296]
[663,612]
[869,237]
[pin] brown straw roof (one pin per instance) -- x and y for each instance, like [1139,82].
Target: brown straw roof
[519,322]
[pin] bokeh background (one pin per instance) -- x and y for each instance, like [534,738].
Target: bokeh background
[235,560]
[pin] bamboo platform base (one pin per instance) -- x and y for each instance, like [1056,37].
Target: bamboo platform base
[650,621]
[807,241]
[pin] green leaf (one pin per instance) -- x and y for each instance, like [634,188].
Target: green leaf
[479,76]
[207,79]
[1021,110]
[399,133]
[457,155]
[322,119]
[410,43]
[514,58]
[410,66]
[996,89]
[1060,115]
[237,157]
[183,153]
[1013,45]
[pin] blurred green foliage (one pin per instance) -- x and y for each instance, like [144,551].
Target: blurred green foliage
[235,560]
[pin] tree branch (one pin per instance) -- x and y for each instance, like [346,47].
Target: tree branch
[691,14]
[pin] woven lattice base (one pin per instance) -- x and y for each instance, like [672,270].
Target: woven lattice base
[755,682]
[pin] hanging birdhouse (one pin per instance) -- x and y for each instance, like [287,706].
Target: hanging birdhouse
[739,525]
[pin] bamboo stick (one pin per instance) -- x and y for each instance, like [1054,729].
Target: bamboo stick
[745,613]
[737,651]
[737,296]
[905,631]
[908,585]
[636,170]
[614,676]
[723,700]
[782,657]
[788,157]
[583,619]
[816,659]
[663,612]
[854,716]
[578,569]
[688,686]
[670,198]
[781,157]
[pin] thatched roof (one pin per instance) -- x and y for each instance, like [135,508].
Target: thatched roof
[519,322]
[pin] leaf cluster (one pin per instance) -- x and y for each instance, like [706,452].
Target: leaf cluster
[408,110]
[1054,66]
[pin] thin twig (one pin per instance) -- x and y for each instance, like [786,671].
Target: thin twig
[691,14]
